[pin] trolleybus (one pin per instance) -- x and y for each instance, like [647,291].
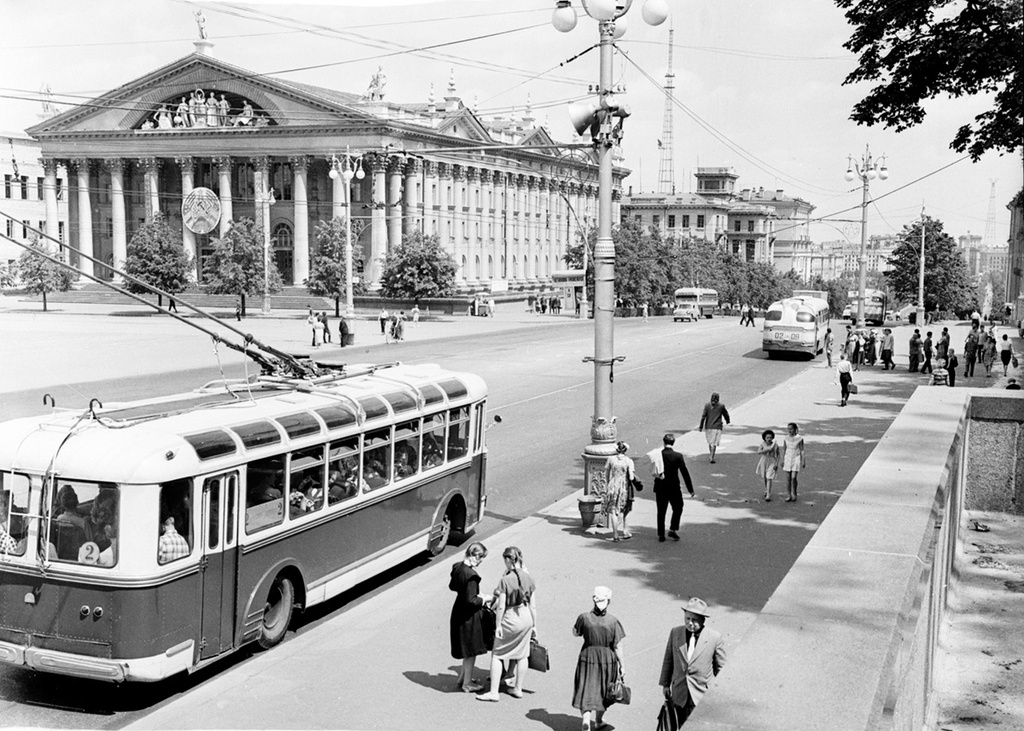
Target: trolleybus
[144,539]
[702,302]
[795,325]
[875,306]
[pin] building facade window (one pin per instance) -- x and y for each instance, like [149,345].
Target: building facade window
[750,226]
[737,225]
[656,221]
[24,187]
[60,231]
[39,188]
[686,222]
[671,221]
[10,227]
[700,221]
[24,229]
[7,186]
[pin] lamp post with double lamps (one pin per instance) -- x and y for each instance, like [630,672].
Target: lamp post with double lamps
[352,167]
[603,117]
[867,170]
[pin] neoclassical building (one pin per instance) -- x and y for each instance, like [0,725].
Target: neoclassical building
[500,194]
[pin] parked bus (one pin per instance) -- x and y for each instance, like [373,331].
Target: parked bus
[702,302]
[144,539]
[795,325]
[875,306]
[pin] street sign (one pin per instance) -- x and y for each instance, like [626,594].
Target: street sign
[200,211]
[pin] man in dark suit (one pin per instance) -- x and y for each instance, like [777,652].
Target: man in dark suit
[667,489]
[693,655]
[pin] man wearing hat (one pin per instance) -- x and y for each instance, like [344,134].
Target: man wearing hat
[694,653]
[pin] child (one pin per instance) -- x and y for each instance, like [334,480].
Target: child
[768,465]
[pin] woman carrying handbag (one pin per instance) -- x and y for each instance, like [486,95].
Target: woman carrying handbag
[515,610]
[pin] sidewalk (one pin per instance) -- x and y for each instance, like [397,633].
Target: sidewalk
[384,664]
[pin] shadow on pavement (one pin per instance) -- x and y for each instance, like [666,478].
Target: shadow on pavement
[555,721]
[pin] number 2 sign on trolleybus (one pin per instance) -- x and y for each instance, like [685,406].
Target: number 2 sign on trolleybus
[149,538]
[795,325]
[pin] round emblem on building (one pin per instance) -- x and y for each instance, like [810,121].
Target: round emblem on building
[200,211]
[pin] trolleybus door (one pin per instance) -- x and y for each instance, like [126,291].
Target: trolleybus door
[219,563]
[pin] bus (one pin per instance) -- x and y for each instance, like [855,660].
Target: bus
[144,539]
[796,325]
[875,306]
[703,301]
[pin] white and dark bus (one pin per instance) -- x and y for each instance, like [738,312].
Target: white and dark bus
[144,539]
[795,325]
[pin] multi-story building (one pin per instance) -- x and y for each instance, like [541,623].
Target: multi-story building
[753,224]
[24,196]
[1015,259]
[981,258]
[205,142]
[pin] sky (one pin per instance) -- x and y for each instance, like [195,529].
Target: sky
[758,86]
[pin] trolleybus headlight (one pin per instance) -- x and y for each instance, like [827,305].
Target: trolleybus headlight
[84,611]
[97,612]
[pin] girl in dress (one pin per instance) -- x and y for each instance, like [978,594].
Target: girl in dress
[768,465]
[792,459]
[515,612]
[600,660]
[618,471]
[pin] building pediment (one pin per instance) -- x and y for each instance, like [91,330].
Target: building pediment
[465,125]
[539,138]
[201,94]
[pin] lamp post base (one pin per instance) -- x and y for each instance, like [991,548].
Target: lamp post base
[266,304]
[919,320]
[603,435]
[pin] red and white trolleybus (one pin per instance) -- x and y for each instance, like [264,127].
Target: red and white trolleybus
[144,539]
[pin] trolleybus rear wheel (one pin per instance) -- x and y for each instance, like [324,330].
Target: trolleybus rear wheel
[277,614]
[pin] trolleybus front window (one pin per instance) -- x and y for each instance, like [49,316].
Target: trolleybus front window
[84,523]
[13,513]
[458,432]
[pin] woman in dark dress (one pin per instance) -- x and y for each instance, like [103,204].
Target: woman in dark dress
[472,625]
[600,661]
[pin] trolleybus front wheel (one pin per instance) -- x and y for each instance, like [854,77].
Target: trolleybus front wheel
[277,614]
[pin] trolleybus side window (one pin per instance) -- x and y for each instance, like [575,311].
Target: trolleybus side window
[306,482]
[377,458]
[212,487]
[478,421]
[13,513]
[175,532]
[458,432]
[344,479]
[264,493]
[433,441]
[407,449]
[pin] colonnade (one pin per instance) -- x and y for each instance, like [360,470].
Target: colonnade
[498,224]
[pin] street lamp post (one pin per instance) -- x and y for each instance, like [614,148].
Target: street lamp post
[866,170]
[920,276]
[351,168]
[606,134]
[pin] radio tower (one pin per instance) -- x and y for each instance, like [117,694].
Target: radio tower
[990,223]
[666,166]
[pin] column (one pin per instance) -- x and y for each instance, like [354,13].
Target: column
[473,249]
[429,184]
[120,236]
[444,214]
[50,198]
[188,238]
[459,222]
[337,190]
[151,169]
[488,226]
[412,219]
[394,202]
[84,215]
[531,227]
[544,230]
[511,246]
[300,217]
[378,220]
[261,175]
[224,185]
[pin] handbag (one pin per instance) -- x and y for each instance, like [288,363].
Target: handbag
[667,720]
[852,388]
[538,656]
[639,486]
[618,692]
[1016,363]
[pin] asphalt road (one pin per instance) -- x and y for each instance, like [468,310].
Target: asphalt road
[538,384]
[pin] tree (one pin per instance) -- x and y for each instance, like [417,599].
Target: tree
[236,264]
[327,269]
[837,289]
[6,276]
[640,264]
[946,284]
[156,257]
[40,275]
[418,267]
[921,49]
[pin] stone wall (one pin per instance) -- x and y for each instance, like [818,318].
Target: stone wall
[995,464]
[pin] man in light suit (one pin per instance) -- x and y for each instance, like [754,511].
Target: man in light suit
[692,656]
[667,490]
